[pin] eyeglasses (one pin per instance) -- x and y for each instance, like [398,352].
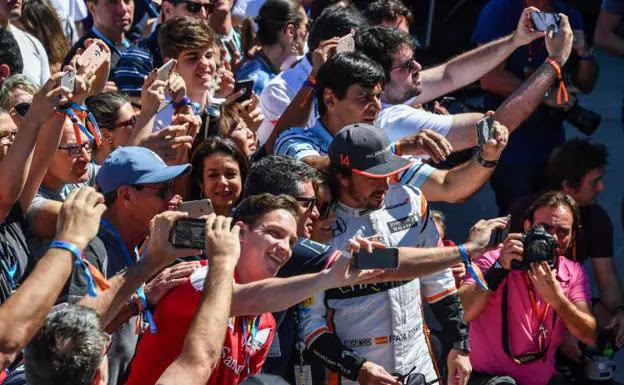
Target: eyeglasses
[22,108]
[307,203]
[326,208]
[195,7]
[7,138]
[75,150]
[127,123]
[409,64]
[163,190]
[412,378]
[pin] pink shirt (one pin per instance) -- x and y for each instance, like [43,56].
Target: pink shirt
[487,354]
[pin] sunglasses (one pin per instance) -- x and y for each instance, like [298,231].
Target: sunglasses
[307,203]
[7,138]
[75,150]
[326,208]
[127,123]
[22,108]
[408,65]
[163,190]
[195,7]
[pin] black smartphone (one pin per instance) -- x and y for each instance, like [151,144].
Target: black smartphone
[189,233]
[386,258]
[499,235]
[484,130]
[447,101]
[542,21]
[247,85]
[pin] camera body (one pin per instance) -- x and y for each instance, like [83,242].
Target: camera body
[584,120]
[538,246]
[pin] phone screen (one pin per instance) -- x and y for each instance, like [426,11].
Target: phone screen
[542,21]
[247,85]
[386,258]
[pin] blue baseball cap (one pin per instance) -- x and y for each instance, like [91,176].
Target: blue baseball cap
[128,166]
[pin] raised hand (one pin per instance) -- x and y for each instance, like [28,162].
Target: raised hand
[160,252]
[427,142]
[494,147]
[78,221]
[481,233]
[222,241]
[559,45]
[525,33]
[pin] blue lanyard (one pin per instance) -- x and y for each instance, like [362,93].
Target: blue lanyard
[108,41]
[69,111]
[248,339]
[129,262]
[470,268]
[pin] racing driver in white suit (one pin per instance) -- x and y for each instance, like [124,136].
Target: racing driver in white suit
[373,333]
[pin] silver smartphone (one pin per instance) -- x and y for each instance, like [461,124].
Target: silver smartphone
[196,209]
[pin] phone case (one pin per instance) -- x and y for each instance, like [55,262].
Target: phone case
[247,85]
[92,58]
[387,259]
[69,81]
[484,127]
[196,209]
[346,44]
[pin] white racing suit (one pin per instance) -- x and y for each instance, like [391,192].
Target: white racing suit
[382,323]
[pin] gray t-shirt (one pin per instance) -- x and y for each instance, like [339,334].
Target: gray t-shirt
[38,245]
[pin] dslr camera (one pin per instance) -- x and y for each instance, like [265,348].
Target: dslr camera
[584,120]
[538,246]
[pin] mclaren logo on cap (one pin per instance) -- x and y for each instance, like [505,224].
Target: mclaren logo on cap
[344,160]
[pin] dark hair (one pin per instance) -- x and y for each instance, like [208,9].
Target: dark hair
[555,199]
[343,70]
[274,16]
[334,21]
[573,160]
[381,43]
[10,53]
[183,33]
[254,207]
[318,6]
[68,349]
[41,20]
[215,145]
[105,108]
[387,10]
[276,174]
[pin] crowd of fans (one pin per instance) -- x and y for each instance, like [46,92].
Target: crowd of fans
[309,127]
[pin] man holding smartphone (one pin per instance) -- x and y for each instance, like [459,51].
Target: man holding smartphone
[378,328]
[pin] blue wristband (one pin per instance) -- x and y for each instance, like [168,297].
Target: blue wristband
[469,268]
[147,314]
[393,147]
[80,264]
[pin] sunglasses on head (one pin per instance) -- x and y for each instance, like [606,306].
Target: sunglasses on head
[22,108]
[409,64]
[196,7]
[75,150]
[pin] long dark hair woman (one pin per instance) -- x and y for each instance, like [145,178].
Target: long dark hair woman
[219,172]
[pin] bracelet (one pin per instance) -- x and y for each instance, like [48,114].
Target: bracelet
[79,263]
[485,163]
[395,147]
[562,91]
[470,268]
[185,101]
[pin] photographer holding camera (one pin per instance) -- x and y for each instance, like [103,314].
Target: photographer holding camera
[535,295]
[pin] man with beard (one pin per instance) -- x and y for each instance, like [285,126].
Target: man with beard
[365,332]
[111,20]
[34,56]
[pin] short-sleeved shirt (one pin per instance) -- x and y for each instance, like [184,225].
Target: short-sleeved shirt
[401,120]
[258,70]
[278,94]
[34,56]
[136,63]
[40,245]
[594,238]
[173,316]
[105,253]
[613,6]
[15,261]
[487,354]
[534,140]
[300,143]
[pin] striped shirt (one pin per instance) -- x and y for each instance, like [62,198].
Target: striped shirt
[136,63]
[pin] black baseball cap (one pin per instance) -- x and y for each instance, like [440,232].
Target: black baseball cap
[366,150]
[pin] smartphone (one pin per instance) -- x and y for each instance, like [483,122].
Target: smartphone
[196,209]
[386,258]
[346,43]
[447,101]
[189,233]
[542,21]
[69,81]
[247,85]
[165,71]
[499,235]
[92,58]
[484,130]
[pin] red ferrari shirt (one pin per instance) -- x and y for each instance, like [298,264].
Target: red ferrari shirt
[247,339]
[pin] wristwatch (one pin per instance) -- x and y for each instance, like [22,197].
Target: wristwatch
[485,163]
[463,345]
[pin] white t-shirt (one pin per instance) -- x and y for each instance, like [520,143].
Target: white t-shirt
[401,120]
[247,8]
[278,94]
[69,12]
[36,66]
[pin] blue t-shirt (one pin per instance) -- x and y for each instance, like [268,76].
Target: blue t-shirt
[257,70]
[533,141]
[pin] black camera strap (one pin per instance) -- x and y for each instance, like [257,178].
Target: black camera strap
[543,342]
